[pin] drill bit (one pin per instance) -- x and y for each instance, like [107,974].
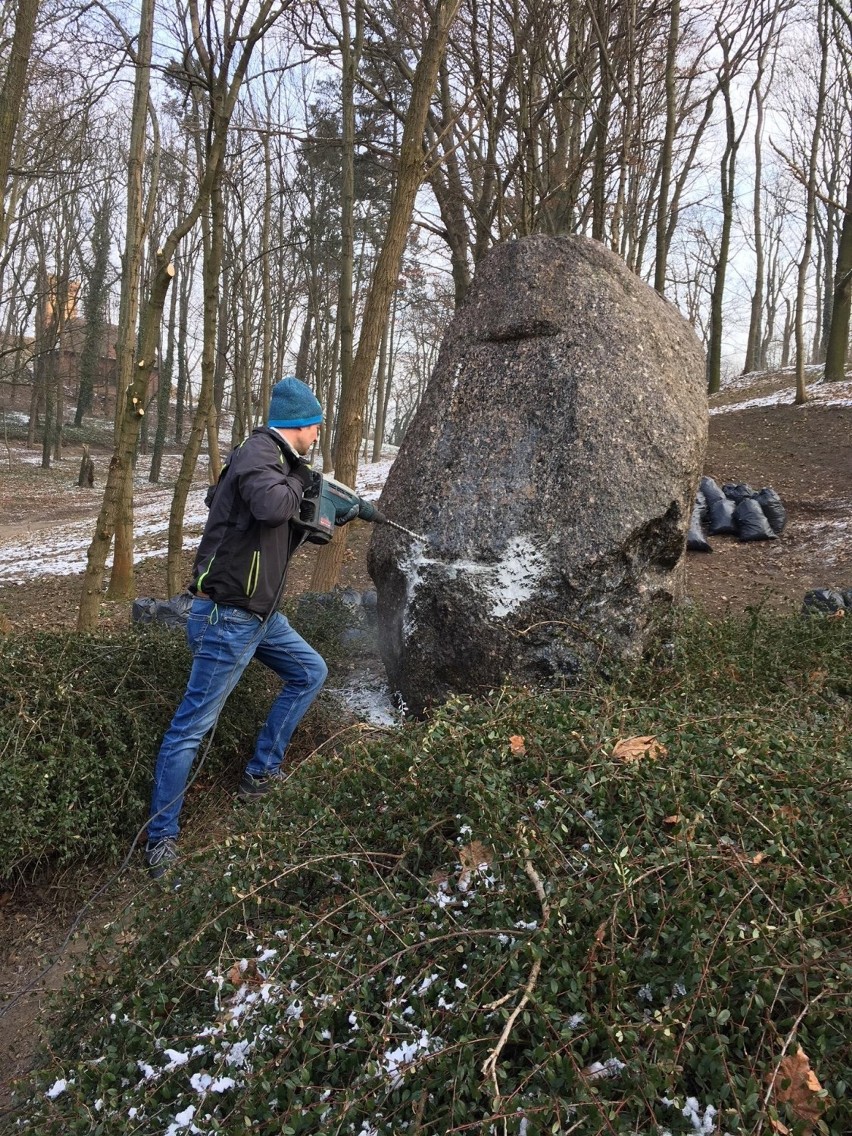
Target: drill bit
[408,532]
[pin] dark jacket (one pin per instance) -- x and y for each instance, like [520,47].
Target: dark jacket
[248,538]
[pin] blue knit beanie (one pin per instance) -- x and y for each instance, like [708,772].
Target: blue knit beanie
[293,404]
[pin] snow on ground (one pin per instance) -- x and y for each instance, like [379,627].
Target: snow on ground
[819,394]
[60,549]
[754,378]
[372,477]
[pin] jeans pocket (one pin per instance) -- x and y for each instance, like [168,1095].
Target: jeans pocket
[238,615]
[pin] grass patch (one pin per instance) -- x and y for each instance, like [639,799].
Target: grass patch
[487,923]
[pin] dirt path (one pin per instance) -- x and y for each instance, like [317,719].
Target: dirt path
[805,454]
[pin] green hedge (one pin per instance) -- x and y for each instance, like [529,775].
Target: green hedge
[664,931]
[81,717]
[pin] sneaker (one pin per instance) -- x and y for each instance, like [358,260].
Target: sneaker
[160,856]
[252,788]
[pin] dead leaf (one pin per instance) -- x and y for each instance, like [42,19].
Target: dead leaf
[249,975]
[516,745]
[817,678]
[675,818]
[635,749]
[797,1085]
[474,857]
[780,1128]
[600,934]
[759,858]
[789,811]
[839,614]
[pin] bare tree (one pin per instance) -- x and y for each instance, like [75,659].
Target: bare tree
[219,65]
[810,201]
[12,96]
[837,339]
[409,178]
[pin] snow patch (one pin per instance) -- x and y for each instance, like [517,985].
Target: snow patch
[60,550]
[204,1083]
[819,394]
[182,1121]
[394,1060]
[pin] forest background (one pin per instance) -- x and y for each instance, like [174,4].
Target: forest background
[200,199]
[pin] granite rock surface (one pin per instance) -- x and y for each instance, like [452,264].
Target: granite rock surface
[552,465]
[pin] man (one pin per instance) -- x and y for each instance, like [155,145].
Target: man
[238,578]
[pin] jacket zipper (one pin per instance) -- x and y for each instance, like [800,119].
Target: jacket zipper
[254,574]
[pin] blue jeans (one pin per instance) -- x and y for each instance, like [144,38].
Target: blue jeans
[223,641]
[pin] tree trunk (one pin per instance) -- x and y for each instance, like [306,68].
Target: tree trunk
[121,578]
[183,343]
[12,97]
[714,346]
[304,345]
[121,463]
[787,334]
[214,240]
[409,178]
[381,381]
[164,392]
[668,143]
[350,49]
[802,275]
[449,191]
[96,300]
[837,344]
[753,361]
[267,298]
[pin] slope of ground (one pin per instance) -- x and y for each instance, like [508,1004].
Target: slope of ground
[805,453]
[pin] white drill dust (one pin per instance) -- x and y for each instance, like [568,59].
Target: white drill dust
[504,585]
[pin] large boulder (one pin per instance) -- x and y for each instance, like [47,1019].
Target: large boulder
[552,465]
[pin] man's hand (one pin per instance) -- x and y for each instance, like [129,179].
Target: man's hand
[303,473]
[343,515]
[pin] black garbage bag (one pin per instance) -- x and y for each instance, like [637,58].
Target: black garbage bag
[847,598]
[773,509]
[822,601]
[172,613]
[721,515]
[695,541]
[710,490]
[751,522]
[738,492]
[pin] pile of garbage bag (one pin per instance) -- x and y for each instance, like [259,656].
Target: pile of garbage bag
[827,601]
[737,510]
[172,613]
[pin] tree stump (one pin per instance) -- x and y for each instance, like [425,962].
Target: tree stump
[86,476]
